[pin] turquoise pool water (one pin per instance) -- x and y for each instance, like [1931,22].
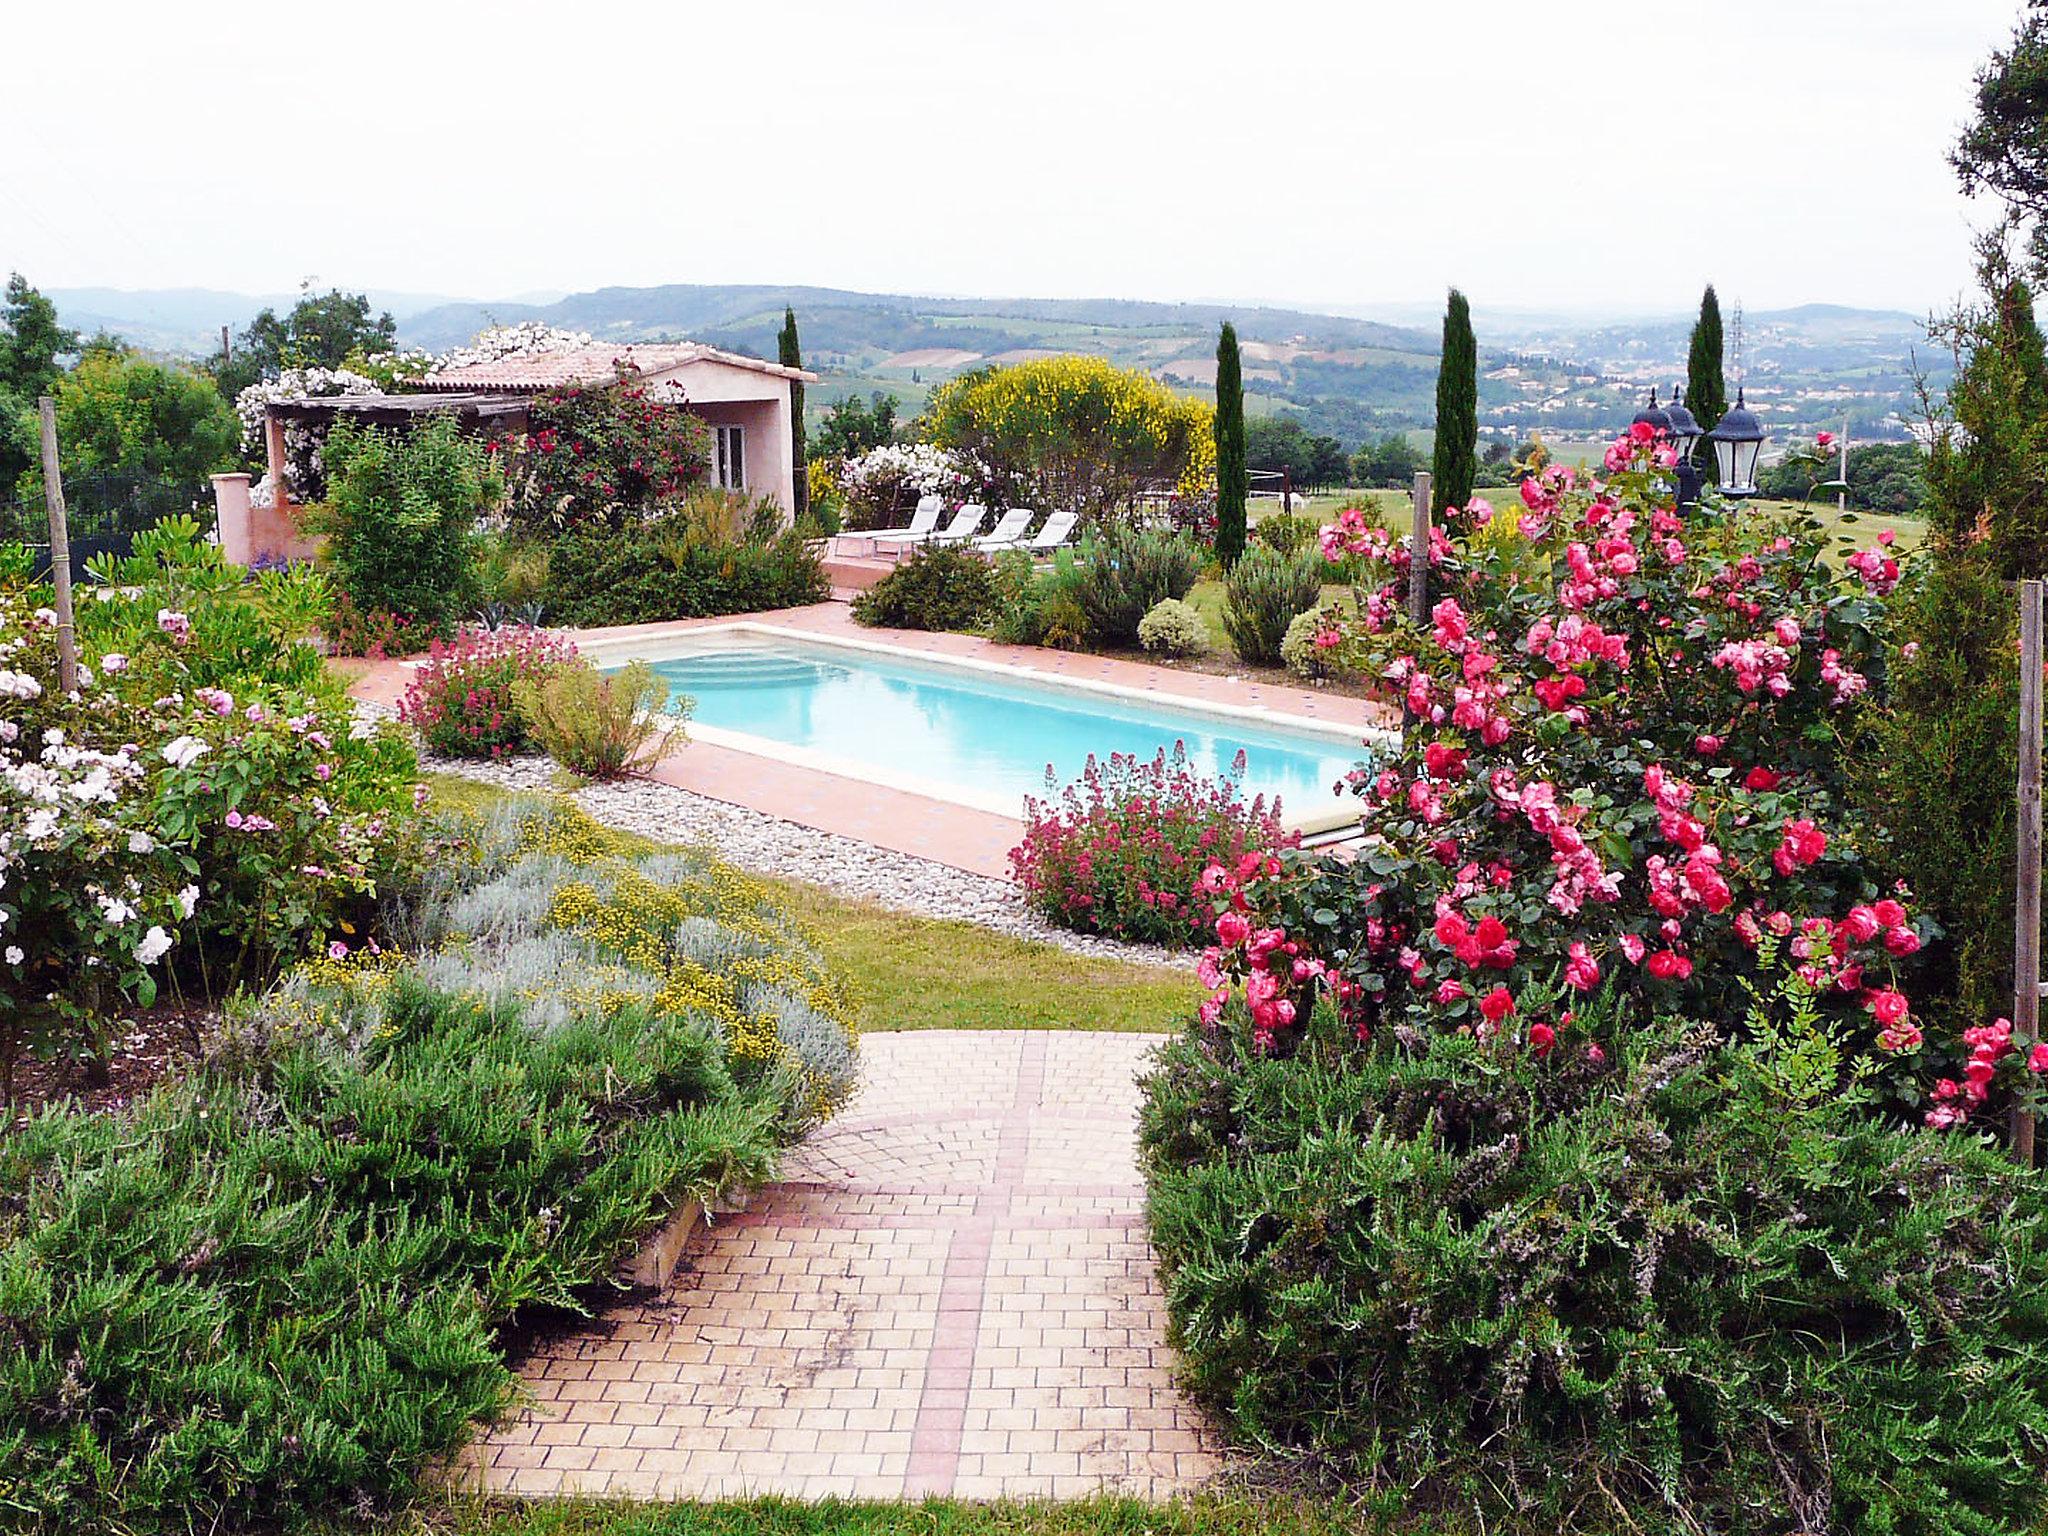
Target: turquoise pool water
[985,734]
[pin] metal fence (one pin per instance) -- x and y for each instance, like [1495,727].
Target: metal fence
[104,513]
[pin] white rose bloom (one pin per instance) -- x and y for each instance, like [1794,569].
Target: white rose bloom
[184,752]
[140,842]
[14,954]
[153,945]
[188,899]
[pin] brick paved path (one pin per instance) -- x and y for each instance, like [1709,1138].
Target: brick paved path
[951,1293]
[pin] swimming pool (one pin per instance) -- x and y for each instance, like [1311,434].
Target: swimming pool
[976,734]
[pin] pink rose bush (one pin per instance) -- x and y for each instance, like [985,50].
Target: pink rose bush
[1624,765]
[461,699]
[1121,852]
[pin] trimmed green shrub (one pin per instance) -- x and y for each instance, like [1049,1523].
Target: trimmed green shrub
[1287,532]
[1174,628]
[1264,592]
[940,586]
[1125,572]
[273,1290]
[1700,1279]
[401,517]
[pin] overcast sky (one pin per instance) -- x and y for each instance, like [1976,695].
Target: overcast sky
[1584,153]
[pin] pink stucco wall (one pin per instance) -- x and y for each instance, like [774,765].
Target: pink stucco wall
[249,533]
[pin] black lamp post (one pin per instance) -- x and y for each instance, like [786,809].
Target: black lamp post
[1652,415]
[1685,434]
[1737,441]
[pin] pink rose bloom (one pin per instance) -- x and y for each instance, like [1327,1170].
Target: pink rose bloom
[1232,929]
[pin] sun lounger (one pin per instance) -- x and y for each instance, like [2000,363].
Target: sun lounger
[1008,531]
[965,525]
[922,522]
[1057,533]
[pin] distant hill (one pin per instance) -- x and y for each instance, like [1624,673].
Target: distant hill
[1352,375]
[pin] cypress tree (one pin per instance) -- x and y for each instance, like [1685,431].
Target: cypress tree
[1457,409]
[1706,390]
[1231,481]
[791,355]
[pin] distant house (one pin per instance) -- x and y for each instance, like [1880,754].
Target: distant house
[744,400]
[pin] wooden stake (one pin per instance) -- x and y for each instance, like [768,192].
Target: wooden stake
[1418,550]
[2026,959]
[60,548]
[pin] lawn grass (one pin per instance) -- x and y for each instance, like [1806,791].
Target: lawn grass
[912,972]
[1211,1515]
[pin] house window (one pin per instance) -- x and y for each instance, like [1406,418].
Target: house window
[729,461]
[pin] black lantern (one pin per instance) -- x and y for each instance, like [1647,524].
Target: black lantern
[1651,416]
[1685,436]
[1737,441]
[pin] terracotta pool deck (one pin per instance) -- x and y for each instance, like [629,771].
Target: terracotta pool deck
[956,835]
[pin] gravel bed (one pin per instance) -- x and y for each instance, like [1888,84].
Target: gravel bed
[771,846]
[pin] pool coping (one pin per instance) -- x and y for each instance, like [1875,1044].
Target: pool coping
[617,650]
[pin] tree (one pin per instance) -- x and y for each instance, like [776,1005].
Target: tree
[1457,409]
[31,341]
[161,425]
[320,331]
[1231,482]
[851,427]
[791,354]
[1072,433]
[1392,461]
[2004,147]
[1987,463]
[1706,390]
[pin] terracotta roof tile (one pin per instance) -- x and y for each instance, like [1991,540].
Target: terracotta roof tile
[596,364]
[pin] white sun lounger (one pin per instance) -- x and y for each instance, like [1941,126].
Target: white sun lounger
[965,525]
[1008,531]
[1058,530]
[922,522]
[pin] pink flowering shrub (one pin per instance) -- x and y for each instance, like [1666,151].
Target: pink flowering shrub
[461,699]
[1625,764]
[1120,852]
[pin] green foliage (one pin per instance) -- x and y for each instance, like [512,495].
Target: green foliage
[1231,484]
[1173,628]
[31,341]
[274,1289]
[713,554]
[1457,409]
[1706,389]
[1125,572]
[401,516]
[1287,532]
[1691,1278]
[1987,466]
[790,353]
[322,330]
[1312,461]
[119,413]
[1265,591]
[602,726]
[2003,149]
[1389,463]
[852,426]
[1036,605]
[939,586]
[1937,772]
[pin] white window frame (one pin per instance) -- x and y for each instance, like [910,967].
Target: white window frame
[729,456]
